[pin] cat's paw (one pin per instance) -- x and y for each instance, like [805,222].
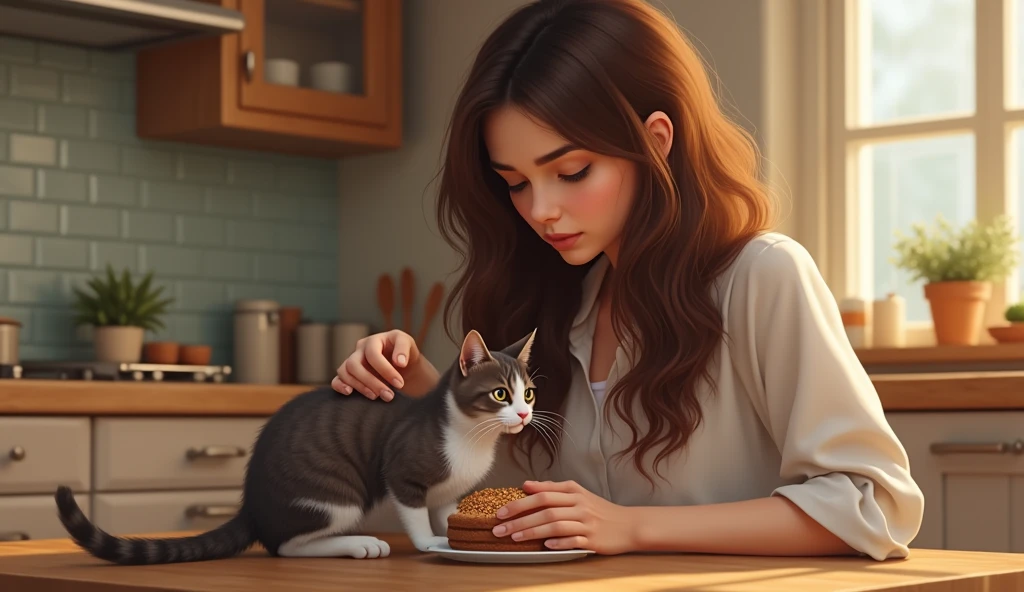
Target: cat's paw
[427,542]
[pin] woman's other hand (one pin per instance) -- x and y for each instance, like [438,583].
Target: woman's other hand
[382,362]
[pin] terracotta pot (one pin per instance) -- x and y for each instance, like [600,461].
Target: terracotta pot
[195,355]
[958,310]
[1013,333]
[160,352]
[118,344]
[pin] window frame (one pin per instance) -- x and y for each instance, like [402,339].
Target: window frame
[848,270]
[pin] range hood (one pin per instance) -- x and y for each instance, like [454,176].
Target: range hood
[116,24]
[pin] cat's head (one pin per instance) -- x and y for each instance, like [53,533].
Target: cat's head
[495,385]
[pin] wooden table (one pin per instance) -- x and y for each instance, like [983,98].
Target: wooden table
[57,565]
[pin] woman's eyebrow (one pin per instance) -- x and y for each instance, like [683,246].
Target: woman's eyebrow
[539,161]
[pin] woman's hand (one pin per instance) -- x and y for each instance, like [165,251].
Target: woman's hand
[571,518]
[383,359]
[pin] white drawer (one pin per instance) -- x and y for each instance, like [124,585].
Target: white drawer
[172,453]
[34,516]
[164,511]
[39,453]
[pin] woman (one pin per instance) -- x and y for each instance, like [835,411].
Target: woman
[596,192]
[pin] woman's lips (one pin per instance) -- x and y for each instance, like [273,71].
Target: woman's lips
[562,241]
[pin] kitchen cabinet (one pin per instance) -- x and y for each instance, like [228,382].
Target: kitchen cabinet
[970,466]
[221,90]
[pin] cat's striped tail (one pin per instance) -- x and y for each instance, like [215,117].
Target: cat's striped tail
[227,540]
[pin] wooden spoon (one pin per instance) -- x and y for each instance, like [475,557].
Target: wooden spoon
[429,310]
[386,299]
[408,288]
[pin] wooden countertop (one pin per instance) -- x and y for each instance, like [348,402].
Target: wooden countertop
[58,565]
[947,391]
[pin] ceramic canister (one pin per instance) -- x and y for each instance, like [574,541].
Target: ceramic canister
[257,342]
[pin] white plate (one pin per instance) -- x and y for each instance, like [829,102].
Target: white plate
[509,556]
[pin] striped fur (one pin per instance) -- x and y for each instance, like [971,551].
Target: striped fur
[227,540]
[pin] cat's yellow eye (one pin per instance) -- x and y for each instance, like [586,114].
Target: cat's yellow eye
[499,394]
[529,395]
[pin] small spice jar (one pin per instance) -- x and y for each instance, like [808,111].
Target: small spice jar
[856,313]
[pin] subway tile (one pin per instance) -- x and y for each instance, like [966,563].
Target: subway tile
[319,270]
[112,126]
[212,328]
[37,150]
[17,115]
[91,156]
[63,56]
[34,83]
[200,231]
[230,202]
[3,213]
[120,63]
[148,226]
[251,173]
[53,326]
[228,265]
[202,168]
[126,98]
[147,162]
[277,268]
[322,180]
[15,249]
[276,206]
[28,216]
[252,291]
[14,49]
[3,79]
[113,190]
[90,90]
[90,221]
[62,253]
[201,296]
[62,120]
[17,181]
[3,295]
[35,287]
[248,234]
[22,314]
[4,141]
[61,185]
[177,197]
[118,255]
[171,261]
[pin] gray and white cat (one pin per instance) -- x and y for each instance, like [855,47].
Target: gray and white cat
[323,461]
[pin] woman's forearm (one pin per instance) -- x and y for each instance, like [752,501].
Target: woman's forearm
[766,526]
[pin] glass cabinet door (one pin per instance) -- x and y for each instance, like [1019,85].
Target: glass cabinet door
[321,58]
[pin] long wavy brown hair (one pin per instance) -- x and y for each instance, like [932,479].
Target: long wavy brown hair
[594,70]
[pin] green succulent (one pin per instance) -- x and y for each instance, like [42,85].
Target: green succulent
[973,253]
[117,301]
[1015,313]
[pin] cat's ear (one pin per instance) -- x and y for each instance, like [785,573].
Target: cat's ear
[522,348]
[474,351]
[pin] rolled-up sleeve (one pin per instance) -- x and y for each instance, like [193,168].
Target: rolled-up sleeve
[846,468]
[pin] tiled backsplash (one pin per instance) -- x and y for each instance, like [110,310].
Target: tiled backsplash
[78,189]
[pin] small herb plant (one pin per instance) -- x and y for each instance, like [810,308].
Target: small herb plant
[1015,313]
[973,253]
[117,301]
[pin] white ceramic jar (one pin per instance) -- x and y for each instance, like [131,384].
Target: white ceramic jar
[313,350]
[257,342]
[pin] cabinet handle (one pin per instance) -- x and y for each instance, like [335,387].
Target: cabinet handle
[215,452]
[1016,447]
[201,511]
[17,453]
[249,63]
[7,537]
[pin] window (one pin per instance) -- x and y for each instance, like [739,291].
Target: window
[925,117]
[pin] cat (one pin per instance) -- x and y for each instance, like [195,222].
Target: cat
[324,460]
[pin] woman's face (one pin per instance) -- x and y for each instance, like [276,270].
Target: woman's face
[575,200]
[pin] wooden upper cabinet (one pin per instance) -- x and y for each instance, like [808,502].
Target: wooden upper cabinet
[240,90]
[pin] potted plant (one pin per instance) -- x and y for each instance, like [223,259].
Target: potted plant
[120,313]
[1014,332]
[958,268]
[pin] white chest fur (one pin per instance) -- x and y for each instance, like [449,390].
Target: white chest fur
[469,452]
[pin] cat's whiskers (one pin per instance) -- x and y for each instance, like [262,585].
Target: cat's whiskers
[471,445]
[544,431]
[486,427]
[558,415]
[552,425]
[479,426]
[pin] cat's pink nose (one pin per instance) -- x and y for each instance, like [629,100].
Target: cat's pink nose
[523,414]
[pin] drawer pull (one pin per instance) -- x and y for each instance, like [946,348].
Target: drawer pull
[7,537]
[215,452]
[17,453]
[978,448]
[201,511]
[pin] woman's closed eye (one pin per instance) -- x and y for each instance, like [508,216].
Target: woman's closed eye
[573,178]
